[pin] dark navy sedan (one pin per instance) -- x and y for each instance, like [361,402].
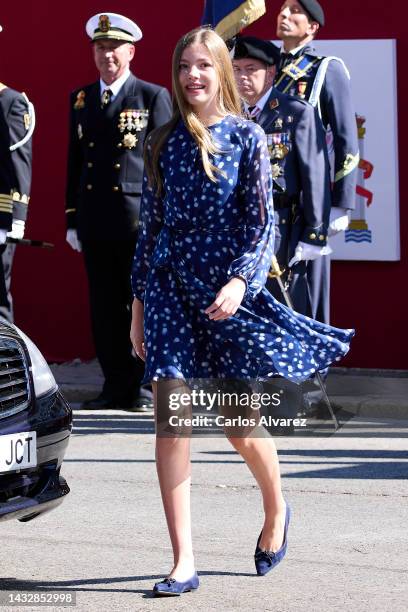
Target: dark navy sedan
[35,426]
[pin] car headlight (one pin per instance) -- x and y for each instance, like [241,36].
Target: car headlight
[44,381]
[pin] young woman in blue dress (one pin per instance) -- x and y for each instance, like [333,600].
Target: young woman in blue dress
[200,308]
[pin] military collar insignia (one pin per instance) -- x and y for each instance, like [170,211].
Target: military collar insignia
[274,103]
[80,100]
[27,121]
[104,24]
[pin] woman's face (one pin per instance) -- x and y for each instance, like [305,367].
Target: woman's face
[198,78]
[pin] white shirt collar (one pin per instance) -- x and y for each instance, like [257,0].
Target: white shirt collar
[295,50]
[261,102]
[117,85]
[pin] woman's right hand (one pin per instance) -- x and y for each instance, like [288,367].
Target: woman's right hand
[136,330]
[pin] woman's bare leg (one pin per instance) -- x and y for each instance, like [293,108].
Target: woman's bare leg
[262,459]
[174,472]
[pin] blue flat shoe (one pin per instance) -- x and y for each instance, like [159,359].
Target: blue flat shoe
[171,586]
[265,560]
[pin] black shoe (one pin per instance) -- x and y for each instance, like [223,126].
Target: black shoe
[99,403]
[142,403]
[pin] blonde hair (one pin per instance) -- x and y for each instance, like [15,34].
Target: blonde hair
[228,102]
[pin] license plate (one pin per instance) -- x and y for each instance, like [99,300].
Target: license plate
[18,451]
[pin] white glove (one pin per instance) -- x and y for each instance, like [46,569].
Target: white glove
[17,229]
[72,239]
[304,252]
[339,221]
[3,236]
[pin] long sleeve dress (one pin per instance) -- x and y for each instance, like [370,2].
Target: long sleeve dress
[195,238]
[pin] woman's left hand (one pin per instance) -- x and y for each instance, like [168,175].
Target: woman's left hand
[227,300]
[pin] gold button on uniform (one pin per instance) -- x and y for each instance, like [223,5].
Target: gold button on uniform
[89,187]
[90,164]
[91,144]
[283,221]
[321,237]
[312,236]
[115,188]
[117,166]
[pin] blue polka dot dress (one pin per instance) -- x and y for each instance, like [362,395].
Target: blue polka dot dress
[195,238]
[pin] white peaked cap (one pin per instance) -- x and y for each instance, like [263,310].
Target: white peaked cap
[113,26]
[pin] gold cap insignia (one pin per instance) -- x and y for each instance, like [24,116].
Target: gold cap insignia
[104,23]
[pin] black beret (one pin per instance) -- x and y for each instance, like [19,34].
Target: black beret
[314,9]
[249,46]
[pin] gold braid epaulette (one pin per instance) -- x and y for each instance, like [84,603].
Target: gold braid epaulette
[349,164]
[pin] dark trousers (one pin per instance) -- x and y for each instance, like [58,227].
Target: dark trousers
[108,265]
[310,288]
[6,261]
[309,281]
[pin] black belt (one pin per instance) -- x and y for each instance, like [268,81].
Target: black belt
[281,200]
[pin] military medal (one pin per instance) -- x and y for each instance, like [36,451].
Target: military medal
[280,151]
[277,171]
[277,145]
[269,141]
[131,121]
[80,100]
[80,132]
[301,89]
[129,141]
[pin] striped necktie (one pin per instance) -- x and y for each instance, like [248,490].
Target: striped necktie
[106,98]
[253,112]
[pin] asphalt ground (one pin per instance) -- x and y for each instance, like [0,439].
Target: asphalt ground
[107,543]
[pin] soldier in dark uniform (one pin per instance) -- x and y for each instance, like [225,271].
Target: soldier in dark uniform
[301,184]
[110,120]
[18,115]
[325,83]
[6,182]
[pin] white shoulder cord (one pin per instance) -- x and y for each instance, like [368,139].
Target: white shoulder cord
[27,137]
[314,98]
